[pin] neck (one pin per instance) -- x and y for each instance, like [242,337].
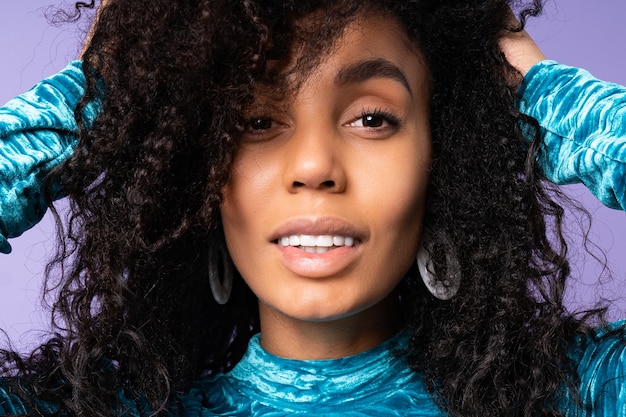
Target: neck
[293,338]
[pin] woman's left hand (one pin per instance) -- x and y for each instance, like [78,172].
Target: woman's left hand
[520,49]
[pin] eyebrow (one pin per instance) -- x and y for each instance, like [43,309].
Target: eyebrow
[374,68]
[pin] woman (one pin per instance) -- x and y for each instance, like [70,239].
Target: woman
[364,166]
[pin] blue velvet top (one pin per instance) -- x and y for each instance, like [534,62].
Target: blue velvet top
[377,383]
[373,383]
[582,120]
[584,125]
[37,132]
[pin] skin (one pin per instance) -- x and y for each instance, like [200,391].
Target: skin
[326,161]
[520,49]
[314,315]
[102,5]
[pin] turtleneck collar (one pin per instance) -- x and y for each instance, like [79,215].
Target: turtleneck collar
[368,378]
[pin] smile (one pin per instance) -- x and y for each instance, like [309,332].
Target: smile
[316,243]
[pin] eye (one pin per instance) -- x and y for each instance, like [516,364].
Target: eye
[371,120]
[261,128]
[376,119]
[259,123]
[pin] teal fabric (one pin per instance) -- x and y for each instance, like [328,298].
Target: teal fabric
[377,382]
[602,370]
[582,120]
[12,402]
[373,383]
[583,123]
[37,132]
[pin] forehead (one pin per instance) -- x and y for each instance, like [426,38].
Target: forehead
[369,45]
[376,36]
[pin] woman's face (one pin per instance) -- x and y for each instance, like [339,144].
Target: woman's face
[323,212]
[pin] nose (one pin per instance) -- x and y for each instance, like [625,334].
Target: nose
[314,160]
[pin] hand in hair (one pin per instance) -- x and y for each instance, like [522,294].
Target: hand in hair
[519,48]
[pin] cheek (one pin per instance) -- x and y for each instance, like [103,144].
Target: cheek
[402,218]
[405,205]
[252,183]
[396,190]
[406,202]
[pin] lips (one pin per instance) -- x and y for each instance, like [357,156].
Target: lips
[318,236]
[316,243]
[318,232]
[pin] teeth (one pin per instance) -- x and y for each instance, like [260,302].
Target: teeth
[316,243]
[307,240]
[325,241]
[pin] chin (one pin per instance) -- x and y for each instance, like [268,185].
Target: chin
[324,312]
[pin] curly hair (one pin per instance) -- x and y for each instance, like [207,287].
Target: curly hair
[133,304]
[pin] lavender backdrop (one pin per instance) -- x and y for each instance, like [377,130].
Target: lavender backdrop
[570,31]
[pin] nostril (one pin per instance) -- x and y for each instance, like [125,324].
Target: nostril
[323,184]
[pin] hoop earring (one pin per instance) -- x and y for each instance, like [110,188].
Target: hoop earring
[443,289]
[220,286]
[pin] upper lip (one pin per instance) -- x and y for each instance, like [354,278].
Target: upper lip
[318,226]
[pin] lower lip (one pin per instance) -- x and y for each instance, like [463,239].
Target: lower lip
[318,265]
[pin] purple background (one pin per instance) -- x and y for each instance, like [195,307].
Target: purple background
[570,31]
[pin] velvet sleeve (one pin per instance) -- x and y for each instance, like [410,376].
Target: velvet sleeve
[601,367]
[14,402]
[583,122]
[10,404]
[37,132]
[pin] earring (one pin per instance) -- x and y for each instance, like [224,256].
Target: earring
[220,287]
[443,289]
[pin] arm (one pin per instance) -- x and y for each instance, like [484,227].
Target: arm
[600,359]
[583,124]
[582,119]
[37,132]
[14,401]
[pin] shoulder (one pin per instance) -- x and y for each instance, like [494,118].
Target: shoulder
[600,361]
[603,349]
[213,396]
[10,402]
[16,400]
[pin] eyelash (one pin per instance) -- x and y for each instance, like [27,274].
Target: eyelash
[261,118]
[393,120]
